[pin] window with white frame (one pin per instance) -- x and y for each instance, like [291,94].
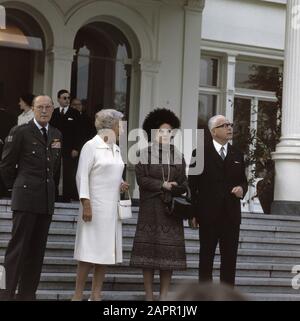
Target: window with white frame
[255,110]
[255,99]
[209,87]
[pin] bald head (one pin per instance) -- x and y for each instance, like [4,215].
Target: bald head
[220,129]
[215,121]
[43,109]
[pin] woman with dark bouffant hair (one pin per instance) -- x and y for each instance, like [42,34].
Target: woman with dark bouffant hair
[159,239]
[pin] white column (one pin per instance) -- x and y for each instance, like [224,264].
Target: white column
[191,63]
[59,69]
[149,87]
[191,69]
[230,86]
[287,155]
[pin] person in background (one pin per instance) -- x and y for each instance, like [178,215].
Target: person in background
[99,182]
[87,126]
[67,120]
[25,104]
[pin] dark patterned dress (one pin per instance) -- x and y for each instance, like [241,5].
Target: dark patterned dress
[159,239]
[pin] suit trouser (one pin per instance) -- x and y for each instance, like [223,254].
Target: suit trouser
[25,254]
[227,235]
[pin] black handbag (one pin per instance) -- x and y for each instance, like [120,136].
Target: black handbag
[181,206]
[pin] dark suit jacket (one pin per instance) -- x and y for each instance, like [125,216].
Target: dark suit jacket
[211,191]
[28,166]
[69,126]
[7,122]
[87,129]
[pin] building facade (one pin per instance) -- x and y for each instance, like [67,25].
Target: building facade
[196,57]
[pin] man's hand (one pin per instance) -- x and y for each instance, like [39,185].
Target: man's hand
[238,191]
[87,214]
[74,153]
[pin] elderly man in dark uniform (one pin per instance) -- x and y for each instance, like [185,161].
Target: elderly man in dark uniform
[216,195]
[30,158]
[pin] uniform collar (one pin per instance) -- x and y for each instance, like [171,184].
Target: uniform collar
[39,126]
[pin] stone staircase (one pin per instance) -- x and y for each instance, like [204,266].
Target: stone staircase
[269,248]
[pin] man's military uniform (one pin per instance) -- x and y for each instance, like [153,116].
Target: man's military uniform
[29,161]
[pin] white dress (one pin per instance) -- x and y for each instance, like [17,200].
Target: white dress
[98,179]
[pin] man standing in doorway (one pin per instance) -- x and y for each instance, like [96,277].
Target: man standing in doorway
[67,120]
[87,125]
[216,195]
[31,156]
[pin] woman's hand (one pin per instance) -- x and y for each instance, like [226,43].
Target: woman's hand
[87,214]
[168,185]
[124,187]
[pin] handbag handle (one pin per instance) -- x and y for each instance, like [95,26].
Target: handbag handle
[129,196]
[188,193]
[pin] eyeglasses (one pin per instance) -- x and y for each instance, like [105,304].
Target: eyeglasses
[225,125]
[65,98]
[40,108]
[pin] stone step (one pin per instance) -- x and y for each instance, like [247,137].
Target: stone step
[247,218]
[273,297]
[47,295]
[244,254]
[68,265]
[120,282]
[68,234]
[246,243]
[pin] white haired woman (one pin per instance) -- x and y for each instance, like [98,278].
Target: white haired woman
[99,182]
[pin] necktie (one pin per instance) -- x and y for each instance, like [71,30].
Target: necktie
[222,152]
[44,130]
[62,112]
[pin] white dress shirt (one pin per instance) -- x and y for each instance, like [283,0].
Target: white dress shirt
[219,146]
[40,127]
[64,108]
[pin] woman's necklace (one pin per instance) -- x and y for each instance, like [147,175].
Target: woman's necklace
[163,172]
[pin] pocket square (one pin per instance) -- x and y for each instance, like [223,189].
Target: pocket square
[70,119]
[236,162]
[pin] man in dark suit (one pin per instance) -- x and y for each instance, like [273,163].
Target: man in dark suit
[67,120]
[87,125]
[30,158]
[7,122]
[216,195]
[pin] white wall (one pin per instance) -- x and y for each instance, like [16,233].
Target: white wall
[171,41]
[254,23]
